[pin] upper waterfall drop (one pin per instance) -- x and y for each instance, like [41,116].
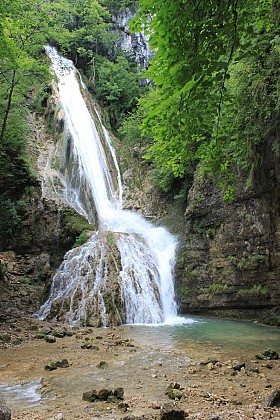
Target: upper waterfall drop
[124,273]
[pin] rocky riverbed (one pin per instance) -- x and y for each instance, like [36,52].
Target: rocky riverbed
[47,370]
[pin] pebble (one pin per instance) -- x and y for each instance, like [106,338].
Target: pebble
[59,416]
[50,339]
[155,405]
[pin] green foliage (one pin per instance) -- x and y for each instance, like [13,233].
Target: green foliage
[116,6]
[252,261]
[111,240]
[81,29]
[10,218]
[26,280]
[217,288]
[257,289]
[225,273]
[216,84]
[130,131]
[74,229]
[21,38]
[259,258]
[81,239]
[184,293]
[117,87]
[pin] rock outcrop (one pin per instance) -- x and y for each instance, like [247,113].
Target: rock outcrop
[86,288]
[137,43]
[47,226]
[229,258]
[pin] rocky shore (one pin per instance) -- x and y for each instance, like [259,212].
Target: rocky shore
[124,373]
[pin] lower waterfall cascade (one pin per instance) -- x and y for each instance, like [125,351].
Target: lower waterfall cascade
[124,272]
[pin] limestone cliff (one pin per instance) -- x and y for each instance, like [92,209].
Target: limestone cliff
[47,228]
[229,260]
[136,44]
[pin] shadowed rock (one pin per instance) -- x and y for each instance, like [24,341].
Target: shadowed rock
[170,411]
[173,392]
[111,395]
[59,364]
[5,412]
[274,399]
[268,354]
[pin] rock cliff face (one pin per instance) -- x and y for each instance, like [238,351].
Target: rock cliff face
[229,260]
[99,263]
[136,44]
[47,229]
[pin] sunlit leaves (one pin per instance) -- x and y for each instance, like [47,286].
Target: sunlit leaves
[116,87]
[194,110]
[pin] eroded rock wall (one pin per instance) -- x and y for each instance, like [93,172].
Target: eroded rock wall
[134,43]
[47,227]
[229,260]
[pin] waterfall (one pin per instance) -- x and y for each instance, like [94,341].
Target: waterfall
[123,273]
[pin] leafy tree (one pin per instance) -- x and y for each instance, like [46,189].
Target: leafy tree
[116,6]
[21,37]
[194,110]
[117,87]
[81,29]
[130,130]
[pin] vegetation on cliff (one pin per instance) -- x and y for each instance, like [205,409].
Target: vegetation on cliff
[21,74]
[212,101]
[82,30]
[215,93]
[213,97]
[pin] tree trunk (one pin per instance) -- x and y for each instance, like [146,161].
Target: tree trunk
[4,124]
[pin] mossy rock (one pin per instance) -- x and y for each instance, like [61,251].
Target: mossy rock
[75,229]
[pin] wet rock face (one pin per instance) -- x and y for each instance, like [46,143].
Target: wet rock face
[93,296]
[45,235]
[229,258]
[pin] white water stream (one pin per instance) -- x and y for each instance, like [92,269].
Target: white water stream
[144,280]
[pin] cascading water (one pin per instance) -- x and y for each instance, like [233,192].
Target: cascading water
[123,273]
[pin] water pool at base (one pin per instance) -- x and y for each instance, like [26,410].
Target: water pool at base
[232,335]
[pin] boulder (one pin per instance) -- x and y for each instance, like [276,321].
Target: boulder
[90,396]
[5,412]
[59,416]
[118,393]
[51,366]
[173,392]
[238,366]
[268,354]
[102,364]
[59,364]
[88,345]
[59,333]
[132,417]
[50,338]
[104,394]
[170,411]
[274,399]
[62,363]
[123,406]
